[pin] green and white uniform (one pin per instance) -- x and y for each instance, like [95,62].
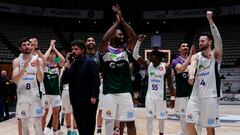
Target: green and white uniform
[117,85]
[52,86]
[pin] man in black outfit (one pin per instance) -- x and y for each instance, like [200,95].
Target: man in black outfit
[4,92]
[83,78]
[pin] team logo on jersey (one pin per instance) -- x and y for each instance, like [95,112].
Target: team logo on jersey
[162,114]
[39,110]
[33,64]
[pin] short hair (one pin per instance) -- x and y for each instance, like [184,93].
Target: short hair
[79,43]
[209,35]
[23,40]
[157,53]
[90,36]
[183,42]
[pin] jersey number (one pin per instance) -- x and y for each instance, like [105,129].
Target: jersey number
[203,83]
[28,86]
[154,87]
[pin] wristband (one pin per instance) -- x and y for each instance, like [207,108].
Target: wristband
[172,98]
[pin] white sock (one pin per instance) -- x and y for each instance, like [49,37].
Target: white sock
[161,125]
[109,125]
[183,124]
[149,125]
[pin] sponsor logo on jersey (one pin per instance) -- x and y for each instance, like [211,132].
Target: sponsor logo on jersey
[155,81]
[189,116]
[39,110]
[203,74]
[28,78]
[232,99]
[201,67]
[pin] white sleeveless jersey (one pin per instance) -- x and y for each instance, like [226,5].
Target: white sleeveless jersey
[27,86]
[205,84]
[156,81]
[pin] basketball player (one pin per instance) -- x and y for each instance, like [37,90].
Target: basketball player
[204,76]
[27,70]
[117,86]
[66,105]
[52,85]
[183,88]
[156,94]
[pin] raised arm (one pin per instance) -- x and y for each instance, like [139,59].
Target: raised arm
[38,51]
[40,74]
[192,68]
[136,55]
[108,36]
[132,38]
[180,68]
[218,51]
[47,53]
[60,56]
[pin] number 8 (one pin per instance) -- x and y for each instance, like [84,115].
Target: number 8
[28,86]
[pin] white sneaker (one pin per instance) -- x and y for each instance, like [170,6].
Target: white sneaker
[60,132]
[48,131]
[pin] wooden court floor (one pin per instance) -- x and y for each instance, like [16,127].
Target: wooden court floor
[229,116]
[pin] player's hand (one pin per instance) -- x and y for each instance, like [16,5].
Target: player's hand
[172,103]
[52,44]
[117,10]
[93,100]
[118,20]
[191,80]
[192,50]
[141,37]
[209,15]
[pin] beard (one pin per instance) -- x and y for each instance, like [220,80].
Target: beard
[27,51]
[90,46]
[204,47]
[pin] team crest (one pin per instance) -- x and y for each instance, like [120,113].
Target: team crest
[33,64]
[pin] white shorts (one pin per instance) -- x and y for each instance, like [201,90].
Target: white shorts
[52,100]
[29,109]
[204,112]
[156,107]
[100,102]
[193,111]
[118,106]
[66,105]
[181,105]
[209,112]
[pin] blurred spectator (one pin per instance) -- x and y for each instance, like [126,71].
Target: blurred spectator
[5,88]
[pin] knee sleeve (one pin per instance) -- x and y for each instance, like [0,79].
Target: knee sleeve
[149,125]
[161,125]
[109,126]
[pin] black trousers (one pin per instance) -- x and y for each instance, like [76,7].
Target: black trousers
[85,116]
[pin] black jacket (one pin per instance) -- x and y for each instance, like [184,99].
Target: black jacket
[83,79]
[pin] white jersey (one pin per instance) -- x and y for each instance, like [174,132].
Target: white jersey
[156,81]
[27,86]
[205,84]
